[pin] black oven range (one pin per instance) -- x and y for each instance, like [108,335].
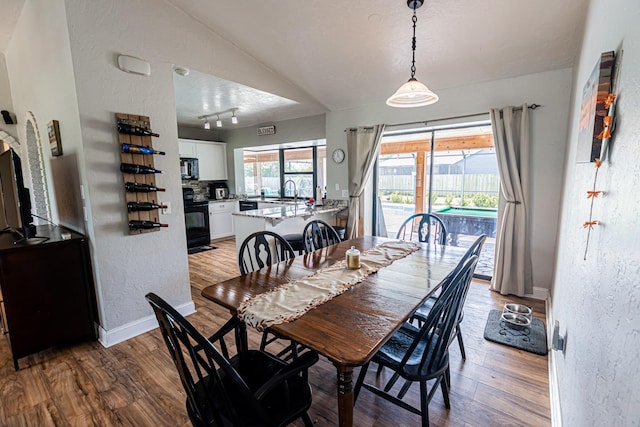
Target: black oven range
[196,218]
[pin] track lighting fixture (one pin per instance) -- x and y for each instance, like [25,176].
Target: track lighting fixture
[205,117]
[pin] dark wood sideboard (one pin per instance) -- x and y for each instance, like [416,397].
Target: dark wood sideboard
[47,297]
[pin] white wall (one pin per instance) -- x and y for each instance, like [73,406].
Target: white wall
[185,132]
[127,267]
[41,76]
[596,300]
[5,97]
[548,135]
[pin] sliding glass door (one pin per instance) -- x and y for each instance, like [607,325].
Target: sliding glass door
[448,171]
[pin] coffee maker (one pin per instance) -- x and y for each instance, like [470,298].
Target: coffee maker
[218,190]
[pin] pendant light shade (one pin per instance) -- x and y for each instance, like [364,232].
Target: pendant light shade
[413,93]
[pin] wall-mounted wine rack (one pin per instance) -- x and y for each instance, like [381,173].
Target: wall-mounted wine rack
[148,216]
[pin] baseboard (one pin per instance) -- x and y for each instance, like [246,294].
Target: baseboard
[140,326]
[539,293]
[554,395]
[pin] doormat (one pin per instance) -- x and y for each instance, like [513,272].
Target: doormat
[200,249]
[532,339]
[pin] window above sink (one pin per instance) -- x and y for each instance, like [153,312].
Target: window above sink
[266,171]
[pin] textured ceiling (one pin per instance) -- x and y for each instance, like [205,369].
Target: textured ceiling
[351,53]
[199,94]
[346,54]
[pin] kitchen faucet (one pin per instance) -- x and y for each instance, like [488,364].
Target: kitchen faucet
[295,190]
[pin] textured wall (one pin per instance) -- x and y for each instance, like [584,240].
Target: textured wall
[596,300]
[127,267]
[548,137]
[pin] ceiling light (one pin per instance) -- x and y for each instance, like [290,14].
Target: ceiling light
[205,117]
[413,93]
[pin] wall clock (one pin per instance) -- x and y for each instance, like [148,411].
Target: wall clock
[338,155]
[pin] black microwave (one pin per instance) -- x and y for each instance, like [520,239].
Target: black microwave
[189,168]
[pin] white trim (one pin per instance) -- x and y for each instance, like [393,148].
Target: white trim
[140,326]
[554,392]
[539,293]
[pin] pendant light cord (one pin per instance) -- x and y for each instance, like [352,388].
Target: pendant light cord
[413,41]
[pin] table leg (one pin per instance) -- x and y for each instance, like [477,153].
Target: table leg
[242,343]
[345,395]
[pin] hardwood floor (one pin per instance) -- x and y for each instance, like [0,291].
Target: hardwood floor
[134,383]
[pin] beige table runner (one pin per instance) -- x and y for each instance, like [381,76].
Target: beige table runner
[291,300]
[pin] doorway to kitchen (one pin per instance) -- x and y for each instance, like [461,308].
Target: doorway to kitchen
[450,171]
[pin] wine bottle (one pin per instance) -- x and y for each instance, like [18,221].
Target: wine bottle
[131,168]
[139,149]
[144,206]
[134,130]
[136,187]
[144,225]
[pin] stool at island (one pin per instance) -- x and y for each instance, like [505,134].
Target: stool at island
[342,231]
[296,241]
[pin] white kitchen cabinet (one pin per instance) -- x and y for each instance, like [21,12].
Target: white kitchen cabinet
[187,148]
[212,157]
[221,219]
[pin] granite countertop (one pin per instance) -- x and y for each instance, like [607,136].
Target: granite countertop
[220,200]
[291,211]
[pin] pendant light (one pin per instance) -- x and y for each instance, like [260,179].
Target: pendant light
[234,119]
[207,125]
[218,121]
[413,93]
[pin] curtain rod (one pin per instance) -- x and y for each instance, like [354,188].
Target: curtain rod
[425,122]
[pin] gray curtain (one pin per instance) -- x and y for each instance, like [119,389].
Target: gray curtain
[363,146]
[512,269]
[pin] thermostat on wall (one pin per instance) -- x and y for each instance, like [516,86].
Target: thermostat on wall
[134,65]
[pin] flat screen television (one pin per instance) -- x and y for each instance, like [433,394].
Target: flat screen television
[15,215]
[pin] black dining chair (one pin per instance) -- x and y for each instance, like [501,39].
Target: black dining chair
[262,249]
[423,227]
[318,234]
[259,250]
[249,389]
[421,355]
[423,311]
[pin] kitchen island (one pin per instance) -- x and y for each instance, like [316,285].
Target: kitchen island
[282,218]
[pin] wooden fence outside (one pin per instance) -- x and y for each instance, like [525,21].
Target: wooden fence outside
[443,184]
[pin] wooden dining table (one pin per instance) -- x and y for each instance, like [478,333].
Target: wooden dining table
[350,328]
